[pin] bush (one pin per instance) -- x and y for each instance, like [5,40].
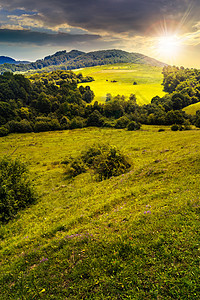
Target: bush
[133,126]
[20,127]
[110,163]
[105,160]
[92,153]
[174,127]
[76,167]
[122,122]
[47,126]
[54,125]
[187,125]
[16,191]
[42,126]
[77,122]
[3,131]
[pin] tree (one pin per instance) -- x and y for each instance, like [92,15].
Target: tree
[87,94]
[122,122]
[95,119]
[43,103]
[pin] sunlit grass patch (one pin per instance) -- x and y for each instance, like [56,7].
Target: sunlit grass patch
[192,109]
[120,80]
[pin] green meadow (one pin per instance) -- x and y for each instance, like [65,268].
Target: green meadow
[134,236]
[192,109]
[148,81]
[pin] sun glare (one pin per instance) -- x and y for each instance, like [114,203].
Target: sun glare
[168,46]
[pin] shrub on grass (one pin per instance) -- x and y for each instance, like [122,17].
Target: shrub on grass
[187,125]
[76,167]
[16,191]
[174,127]
[133,126]
[92,153]
[105,160]
[110,163]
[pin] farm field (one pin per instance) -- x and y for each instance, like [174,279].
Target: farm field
[134,236]
[148,81]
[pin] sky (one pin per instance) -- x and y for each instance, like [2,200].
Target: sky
[168,30]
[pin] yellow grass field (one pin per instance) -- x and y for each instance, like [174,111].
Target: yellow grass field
[148,81]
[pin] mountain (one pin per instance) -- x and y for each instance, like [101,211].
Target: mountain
[77,59]
[6,59]
[10,60]
[105,57]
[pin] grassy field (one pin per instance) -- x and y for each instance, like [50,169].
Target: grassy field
[148,80]
[135,236]
[192,109]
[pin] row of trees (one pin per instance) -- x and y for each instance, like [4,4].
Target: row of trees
[52,101]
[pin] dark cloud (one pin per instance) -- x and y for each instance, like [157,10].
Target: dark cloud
[40,38]
[113,16]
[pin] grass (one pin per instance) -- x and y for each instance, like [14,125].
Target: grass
[148,80]
[135,236]
[192,109]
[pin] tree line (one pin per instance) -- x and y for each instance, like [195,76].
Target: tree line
[53,101]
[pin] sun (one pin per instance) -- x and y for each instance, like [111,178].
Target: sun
[168,47]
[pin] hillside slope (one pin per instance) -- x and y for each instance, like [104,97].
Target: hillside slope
[76,59]
[135,236]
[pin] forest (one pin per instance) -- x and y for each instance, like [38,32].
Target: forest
[53,101]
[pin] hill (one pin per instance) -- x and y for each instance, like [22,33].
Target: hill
[134,236]
[6,59]
[76,59]
[9,60]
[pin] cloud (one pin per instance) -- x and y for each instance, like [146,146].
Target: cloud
[191,39]
[26,20]
[132,25]
[11,26]
[111,16]
[10,36]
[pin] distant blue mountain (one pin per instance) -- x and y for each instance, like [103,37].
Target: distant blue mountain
[9,60]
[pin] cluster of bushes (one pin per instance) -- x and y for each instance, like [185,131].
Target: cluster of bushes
[185,126]
[125,122]
[16,190]
[105,160]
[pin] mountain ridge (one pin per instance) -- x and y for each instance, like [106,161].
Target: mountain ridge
[76,59]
